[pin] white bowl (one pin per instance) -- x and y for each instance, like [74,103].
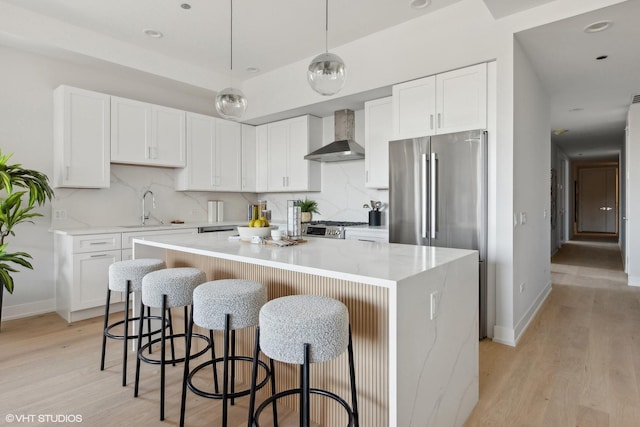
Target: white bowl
[247,232]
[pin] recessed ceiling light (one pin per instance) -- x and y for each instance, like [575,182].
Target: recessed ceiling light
[598,26]
[252,69]
[185,6]
[574,110]
[560,131]
[602,57]
[153,33]
[419,4]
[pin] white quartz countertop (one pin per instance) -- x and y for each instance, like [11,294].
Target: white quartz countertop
[150,227]
[381,264]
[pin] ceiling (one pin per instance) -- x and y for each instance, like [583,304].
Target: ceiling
[589,97]
[269,35]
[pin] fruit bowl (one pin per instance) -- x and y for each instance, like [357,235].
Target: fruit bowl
[247,232]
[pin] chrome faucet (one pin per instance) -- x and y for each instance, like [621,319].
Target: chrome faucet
[146,215]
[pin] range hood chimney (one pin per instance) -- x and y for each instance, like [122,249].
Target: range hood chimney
[344,147]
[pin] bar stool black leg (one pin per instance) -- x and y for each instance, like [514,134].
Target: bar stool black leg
[139,344]
[254,378]
[104,330]
[305,416]
[148,325]
[352,375]
[273,392]
[233,366]
[213,365]
[173,352]
[183,404]
[163,335]
[125,334]
[225,370]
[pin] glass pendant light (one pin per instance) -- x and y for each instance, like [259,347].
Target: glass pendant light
[326,73]
[231,102]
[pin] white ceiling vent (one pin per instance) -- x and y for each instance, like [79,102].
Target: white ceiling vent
[635,99]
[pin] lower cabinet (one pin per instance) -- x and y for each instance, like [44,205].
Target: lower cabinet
[367,234]
[82,270]
[81,266]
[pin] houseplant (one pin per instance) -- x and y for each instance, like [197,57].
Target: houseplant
[307,208]
[23,190]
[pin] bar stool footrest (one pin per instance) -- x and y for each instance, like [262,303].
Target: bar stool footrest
[146,359]
[240,393]
[131,337]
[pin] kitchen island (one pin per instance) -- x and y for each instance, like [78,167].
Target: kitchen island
[413,310]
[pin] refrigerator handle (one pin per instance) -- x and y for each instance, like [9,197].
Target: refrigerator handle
[423,211]
[434,195]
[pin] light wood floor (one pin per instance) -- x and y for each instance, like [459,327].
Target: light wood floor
[578,364]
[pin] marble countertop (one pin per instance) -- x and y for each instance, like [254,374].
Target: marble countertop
[150,227]
[381,264]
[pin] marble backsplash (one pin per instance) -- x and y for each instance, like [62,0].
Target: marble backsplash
[342,196]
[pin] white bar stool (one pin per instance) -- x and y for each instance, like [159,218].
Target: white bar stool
[304,329]
[226,305]
[126,276]
[165,289]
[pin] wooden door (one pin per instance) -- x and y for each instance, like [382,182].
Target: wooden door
[597,203]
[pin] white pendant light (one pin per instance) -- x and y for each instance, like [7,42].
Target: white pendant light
[326,73]
[231,102]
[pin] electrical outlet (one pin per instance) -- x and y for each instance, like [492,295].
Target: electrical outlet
[435,301]
[59,214]
[522,287]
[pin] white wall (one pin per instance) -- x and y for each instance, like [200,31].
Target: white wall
[532,165]
[632,151]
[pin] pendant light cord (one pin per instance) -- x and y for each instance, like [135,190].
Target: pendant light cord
[231,37]
[326,26]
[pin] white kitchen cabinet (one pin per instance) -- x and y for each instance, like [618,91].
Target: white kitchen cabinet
[461,99]
[214,155]
[81,138]
[147,134]
[449,102]
[377,134]
[414,108]
[82,271]
[367,234]
[288,141]
[262,145]
[248,158]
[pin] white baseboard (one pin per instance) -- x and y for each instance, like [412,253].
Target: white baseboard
[511,336]
[633,281]
[30,309]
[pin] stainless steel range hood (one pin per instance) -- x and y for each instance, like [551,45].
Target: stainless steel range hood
[344,147]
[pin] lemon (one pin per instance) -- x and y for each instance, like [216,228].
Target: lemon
[264,221]
[252,223]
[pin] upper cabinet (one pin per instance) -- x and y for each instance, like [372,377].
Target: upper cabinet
[81,138]
[287,142]
[214,155]
[147,134]
[377,134]
[445,103]
[248,158]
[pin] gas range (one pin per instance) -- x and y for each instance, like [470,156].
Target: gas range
[330,229]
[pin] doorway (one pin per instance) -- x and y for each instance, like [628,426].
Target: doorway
[596,199]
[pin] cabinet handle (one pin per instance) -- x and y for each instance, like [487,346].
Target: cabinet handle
[283,184]
[99,243]
[98,256]
[439,120]
[431,120]
[287,181]
[67,170]
[366,176]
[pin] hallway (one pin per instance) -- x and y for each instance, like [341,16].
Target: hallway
[578,364]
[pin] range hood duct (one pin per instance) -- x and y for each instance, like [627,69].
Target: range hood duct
[344,147]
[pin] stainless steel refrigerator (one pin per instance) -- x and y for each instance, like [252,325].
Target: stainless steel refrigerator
[438,196]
